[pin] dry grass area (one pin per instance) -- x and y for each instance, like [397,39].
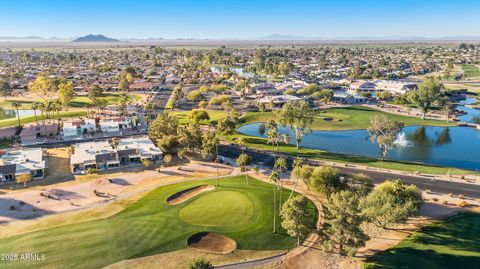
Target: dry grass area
[181,258]
[49,221]
[59,164]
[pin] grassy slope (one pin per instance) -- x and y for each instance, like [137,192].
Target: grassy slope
[30,119]
[450,243]
[149,226]
[347,118]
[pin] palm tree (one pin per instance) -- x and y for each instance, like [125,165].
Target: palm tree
[35,107]
[56,106]
[280,165]
[241,143]
[296,171]
[16,105]
[273,178]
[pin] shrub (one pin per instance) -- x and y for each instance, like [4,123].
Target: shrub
[12,207]
[450,195]
[462,204]
[445,202]
[461,197]
[91,171]
[200,263]
[428,191]
[435,199]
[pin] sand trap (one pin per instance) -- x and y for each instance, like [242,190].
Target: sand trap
[184,195]
[212,243]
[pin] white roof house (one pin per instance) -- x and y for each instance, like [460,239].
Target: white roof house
[27,160]
[109,126]
[278,99]
[143,145]
[69,130]
[395,87]
[85,153]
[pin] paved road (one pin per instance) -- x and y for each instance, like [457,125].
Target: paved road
[161,98]
[439,186]
[254,263]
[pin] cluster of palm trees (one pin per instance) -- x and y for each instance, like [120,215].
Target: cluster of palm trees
[46,108]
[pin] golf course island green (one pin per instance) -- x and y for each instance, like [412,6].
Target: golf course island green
[240,212]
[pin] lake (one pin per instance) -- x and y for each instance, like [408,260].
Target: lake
[472,114]
[452,147]
[12,113]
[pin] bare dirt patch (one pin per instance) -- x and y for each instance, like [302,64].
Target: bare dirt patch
[184,195]
[212,243]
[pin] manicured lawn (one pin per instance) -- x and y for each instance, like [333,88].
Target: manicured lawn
[348,118]
[151,226]
[78,101]
[450,243]
[261,144]
[30,119]
[471,70]
[183,116]
[83,101]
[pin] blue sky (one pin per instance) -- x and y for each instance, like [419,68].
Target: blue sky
[239,19]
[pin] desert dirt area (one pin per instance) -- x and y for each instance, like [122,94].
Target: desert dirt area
[92,190]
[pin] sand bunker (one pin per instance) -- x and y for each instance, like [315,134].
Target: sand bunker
[184,195]
[212,243]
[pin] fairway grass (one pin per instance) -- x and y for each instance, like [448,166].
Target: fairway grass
[347,118]
[183,116]
[450,243]
[471,70]
[31,119]
[152,226]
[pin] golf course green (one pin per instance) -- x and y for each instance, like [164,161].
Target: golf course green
[151,226]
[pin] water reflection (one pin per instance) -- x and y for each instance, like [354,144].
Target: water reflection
[452,146]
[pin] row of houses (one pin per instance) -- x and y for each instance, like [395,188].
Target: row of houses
[392,86]
[102,155]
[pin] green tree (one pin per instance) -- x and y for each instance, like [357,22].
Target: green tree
[5,88]
[360,184]
[295,218]
[273,137]
[299,116]
[243,160]
[23,178]
[17,105]
[200,263]
[196,96]
[199,114]
[94,92]
[326,180]
[190,136]
[306,175]
[43,87]
[340,230]
[125,100]
[391,202]
[209,144]
[164,132]
[384,131]
[427,93]
[65,93]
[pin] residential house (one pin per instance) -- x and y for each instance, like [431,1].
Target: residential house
[25,161]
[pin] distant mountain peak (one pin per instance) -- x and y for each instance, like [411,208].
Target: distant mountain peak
[95,38]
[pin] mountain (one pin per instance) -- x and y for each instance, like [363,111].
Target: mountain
[95,38]
[287,37]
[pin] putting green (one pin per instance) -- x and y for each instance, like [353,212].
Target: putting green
[219,209]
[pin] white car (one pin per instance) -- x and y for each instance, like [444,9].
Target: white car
[41,142]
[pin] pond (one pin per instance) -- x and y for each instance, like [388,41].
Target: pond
[473,115]
[235,69]
[452,147]
[12,113]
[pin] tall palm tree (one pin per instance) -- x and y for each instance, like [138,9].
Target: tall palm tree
[241,143]
[57,107]
[280,165]
[273,178]
[17,105]
[35,107]
[296,171]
